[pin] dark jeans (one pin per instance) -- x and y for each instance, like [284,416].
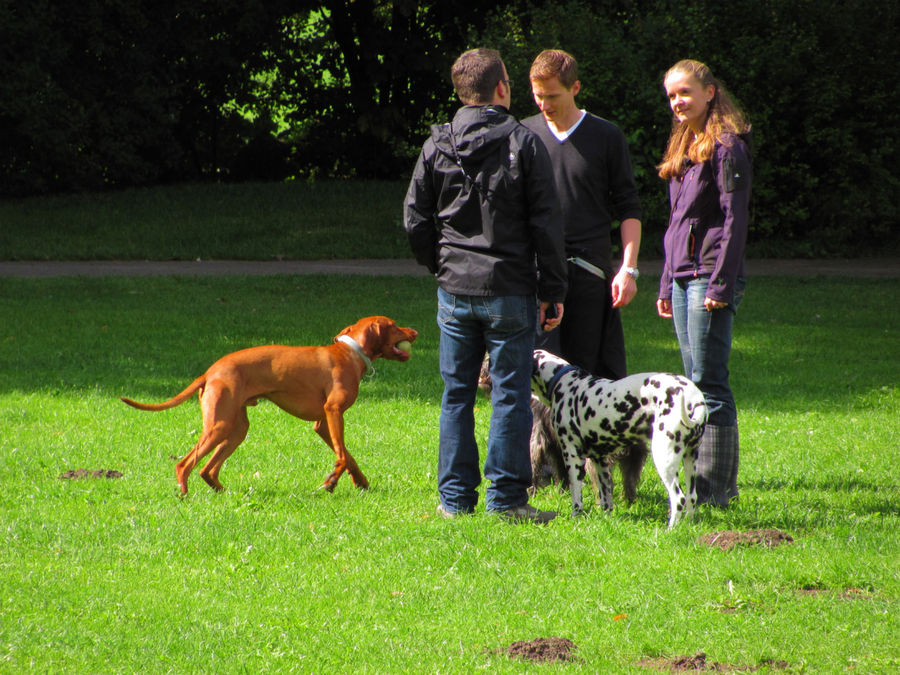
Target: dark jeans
[590,335]
[504,327]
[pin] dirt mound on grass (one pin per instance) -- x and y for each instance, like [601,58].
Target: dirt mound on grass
[546,650]
[699,663]
[542,650]
[729,539]
[78,474]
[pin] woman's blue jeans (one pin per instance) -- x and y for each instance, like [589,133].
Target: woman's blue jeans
[503,327]
[705,341]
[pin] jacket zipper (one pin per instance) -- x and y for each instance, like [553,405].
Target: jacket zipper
[692,239]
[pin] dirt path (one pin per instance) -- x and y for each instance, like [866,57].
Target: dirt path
[886,268]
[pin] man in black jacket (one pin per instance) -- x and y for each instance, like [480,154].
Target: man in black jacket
[481,214]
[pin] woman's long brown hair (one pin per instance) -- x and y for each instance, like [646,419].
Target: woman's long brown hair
[723,117]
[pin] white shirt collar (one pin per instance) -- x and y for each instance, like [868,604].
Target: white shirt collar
[563,135]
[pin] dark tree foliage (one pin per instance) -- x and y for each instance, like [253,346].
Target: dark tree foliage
[817,78]
[100,93]
[366,77]
[111,93]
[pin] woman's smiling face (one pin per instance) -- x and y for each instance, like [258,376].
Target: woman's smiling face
[688,98]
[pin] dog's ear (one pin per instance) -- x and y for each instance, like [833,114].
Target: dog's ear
[376,328]
[347,330]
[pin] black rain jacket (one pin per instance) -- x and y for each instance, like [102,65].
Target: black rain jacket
[481,211]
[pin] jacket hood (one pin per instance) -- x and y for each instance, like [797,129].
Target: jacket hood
[745,136]
[477,130]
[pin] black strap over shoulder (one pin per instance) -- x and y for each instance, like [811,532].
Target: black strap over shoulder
[484,195]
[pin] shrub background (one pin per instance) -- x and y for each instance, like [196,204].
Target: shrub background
[99,94]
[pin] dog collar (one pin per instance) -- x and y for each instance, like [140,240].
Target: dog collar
[354,345]
[551,385]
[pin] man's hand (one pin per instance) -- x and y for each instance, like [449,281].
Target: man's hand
[624,288]
[550,315]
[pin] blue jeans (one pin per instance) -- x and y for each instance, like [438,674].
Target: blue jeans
[504,327]
[705,341]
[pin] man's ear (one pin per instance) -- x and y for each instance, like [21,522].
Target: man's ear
[576,87]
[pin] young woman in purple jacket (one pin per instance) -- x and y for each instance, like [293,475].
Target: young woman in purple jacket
[707,164]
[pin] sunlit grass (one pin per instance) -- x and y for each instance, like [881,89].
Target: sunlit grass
[121,575]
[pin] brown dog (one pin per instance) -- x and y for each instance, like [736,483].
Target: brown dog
[313,383]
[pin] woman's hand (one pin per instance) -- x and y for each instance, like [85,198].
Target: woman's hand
[664,308]
[711,304]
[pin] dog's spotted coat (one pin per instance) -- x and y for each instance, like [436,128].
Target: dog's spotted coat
[601,419]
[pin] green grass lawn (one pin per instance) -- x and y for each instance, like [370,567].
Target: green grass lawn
[276,575]
[250,221]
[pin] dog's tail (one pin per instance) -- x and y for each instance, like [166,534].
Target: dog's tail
[172,402]
[693,410]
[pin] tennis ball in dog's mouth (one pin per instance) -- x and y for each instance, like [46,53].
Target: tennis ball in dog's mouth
[404,346]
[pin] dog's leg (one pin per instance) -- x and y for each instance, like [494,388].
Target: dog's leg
[331,430]
[218,416]
[575,470]
[210,471]
[208,440]
[690,477]
[667,460]
[591,470]
[331,479]
[604,485]
[631,464]
[186,465]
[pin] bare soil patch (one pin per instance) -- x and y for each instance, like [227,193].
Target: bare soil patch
[699,663]
[80,474]
[542,650]
[729,539]
[847,594]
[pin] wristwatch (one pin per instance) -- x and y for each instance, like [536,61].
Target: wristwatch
[633,271]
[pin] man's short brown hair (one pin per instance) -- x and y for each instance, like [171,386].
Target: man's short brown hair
[475,74]
[555,63]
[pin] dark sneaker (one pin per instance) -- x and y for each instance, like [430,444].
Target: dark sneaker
[526,513]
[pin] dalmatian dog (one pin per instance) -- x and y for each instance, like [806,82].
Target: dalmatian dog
[547,464]
[604,419]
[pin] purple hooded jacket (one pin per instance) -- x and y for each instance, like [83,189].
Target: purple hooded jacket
[708,225]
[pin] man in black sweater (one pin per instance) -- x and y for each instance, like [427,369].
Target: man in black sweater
[595,186]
